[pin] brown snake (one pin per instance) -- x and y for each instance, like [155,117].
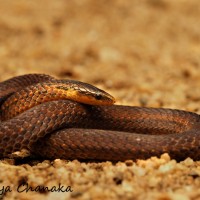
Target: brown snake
[37,116]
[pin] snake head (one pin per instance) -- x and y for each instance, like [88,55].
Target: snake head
[85,93]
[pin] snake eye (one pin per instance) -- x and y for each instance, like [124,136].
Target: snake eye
[98,97]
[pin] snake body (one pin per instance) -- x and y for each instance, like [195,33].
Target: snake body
[53,119]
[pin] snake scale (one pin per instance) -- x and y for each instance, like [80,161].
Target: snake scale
[73,120]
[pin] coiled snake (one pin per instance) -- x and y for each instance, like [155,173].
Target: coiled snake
[53,119]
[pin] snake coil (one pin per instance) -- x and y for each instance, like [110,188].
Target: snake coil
[41,114]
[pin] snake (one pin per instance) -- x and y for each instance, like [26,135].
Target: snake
[69,119]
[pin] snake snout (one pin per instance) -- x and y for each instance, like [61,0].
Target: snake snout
[104,98]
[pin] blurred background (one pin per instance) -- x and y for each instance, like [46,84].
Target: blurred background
[143,52]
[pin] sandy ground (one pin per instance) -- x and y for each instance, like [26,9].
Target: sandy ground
[144,53]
